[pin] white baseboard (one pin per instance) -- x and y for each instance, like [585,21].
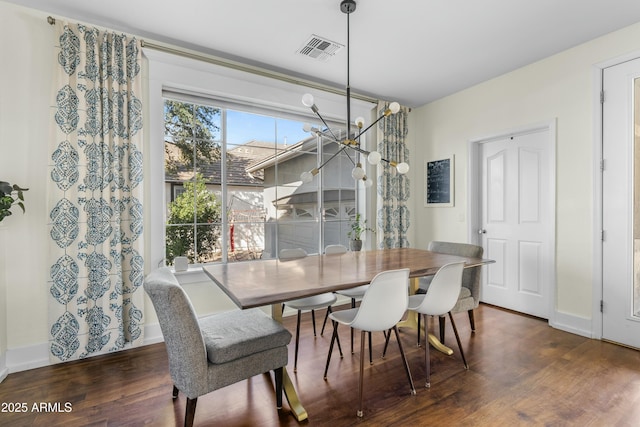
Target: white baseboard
[152,334]
[3,367]
[37,355]
[572,323]
[29,357]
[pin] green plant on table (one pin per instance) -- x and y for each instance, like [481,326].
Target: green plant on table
[358,227]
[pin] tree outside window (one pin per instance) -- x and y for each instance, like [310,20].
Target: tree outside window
[194,216]
[195,205]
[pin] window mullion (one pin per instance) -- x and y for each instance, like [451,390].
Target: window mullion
[320,205]
[194,181]
[223,189]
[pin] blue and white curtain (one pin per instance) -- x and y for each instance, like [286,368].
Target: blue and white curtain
[393,188]
[95,194]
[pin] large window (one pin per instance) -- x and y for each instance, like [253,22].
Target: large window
[258,189]
[232,183]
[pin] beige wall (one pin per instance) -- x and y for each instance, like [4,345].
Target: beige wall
[560,87]
[3,299]
[25,43]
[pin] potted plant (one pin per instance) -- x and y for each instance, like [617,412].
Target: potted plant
[357,228]
[10,195]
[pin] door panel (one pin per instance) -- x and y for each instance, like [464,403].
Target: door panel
[495,190]
[529,186]
[530,266]
[496,249]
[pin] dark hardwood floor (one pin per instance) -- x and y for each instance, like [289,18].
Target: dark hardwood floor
[522,372]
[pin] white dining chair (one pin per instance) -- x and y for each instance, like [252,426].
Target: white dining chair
[354,294]
[312,303]
[440,298]
[335,249]
[382,307]
[469,291]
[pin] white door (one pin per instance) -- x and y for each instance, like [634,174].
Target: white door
[620,214]
[518,221]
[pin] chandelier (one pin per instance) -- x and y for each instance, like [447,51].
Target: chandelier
[352,143]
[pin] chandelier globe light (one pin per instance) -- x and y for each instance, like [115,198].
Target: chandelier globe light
[373,157]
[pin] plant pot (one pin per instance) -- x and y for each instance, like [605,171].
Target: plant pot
[355,245]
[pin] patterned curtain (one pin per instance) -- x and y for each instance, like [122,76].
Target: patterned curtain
[95,194]
[393,188]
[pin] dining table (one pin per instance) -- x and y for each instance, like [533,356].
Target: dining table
[271,282]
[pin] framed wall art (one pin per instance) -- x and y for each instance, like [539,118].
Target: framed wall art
[439,183]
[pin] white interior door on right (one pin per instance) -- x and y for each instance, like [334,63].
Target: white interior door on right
[516,222]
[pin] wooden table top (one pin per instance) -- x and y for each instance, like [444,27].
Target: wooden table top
[265,282]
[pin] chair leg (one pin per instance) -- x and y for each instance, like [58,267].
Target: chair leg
[370,351]
[442,321]
[313,320]
[472,320]
[175,392]
[339,346]
[279,374]
[425,325]
[190,412]
[353,305]
[455,331]
[387,335]
[427,358]
[360,413]
[326,317]
[404,360]
[295,362]
[333,339]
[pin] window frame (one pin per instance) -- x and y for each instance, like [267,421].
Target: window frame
[230,88]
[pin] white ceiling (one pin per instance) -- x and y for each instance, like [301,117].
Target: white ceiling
[411,51]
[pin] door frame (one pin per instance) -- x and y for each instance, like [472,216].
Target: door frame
[474,194]
[598,226]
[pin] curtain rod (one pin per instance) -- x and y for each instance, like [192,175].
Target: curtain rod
[243,67]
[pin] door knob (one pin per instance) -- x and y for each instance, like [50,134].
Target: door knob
[482,231]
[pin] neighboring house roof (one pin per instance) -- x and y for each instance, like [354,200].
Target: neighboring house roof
[307,145]
[239,159]
[286,152]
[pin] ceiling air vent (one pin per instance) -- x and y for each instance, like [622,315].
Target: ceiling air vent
[318,48]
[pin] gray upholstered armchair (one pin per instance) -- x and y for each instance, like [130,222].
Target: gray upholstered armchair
[215,351]
[470,291]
